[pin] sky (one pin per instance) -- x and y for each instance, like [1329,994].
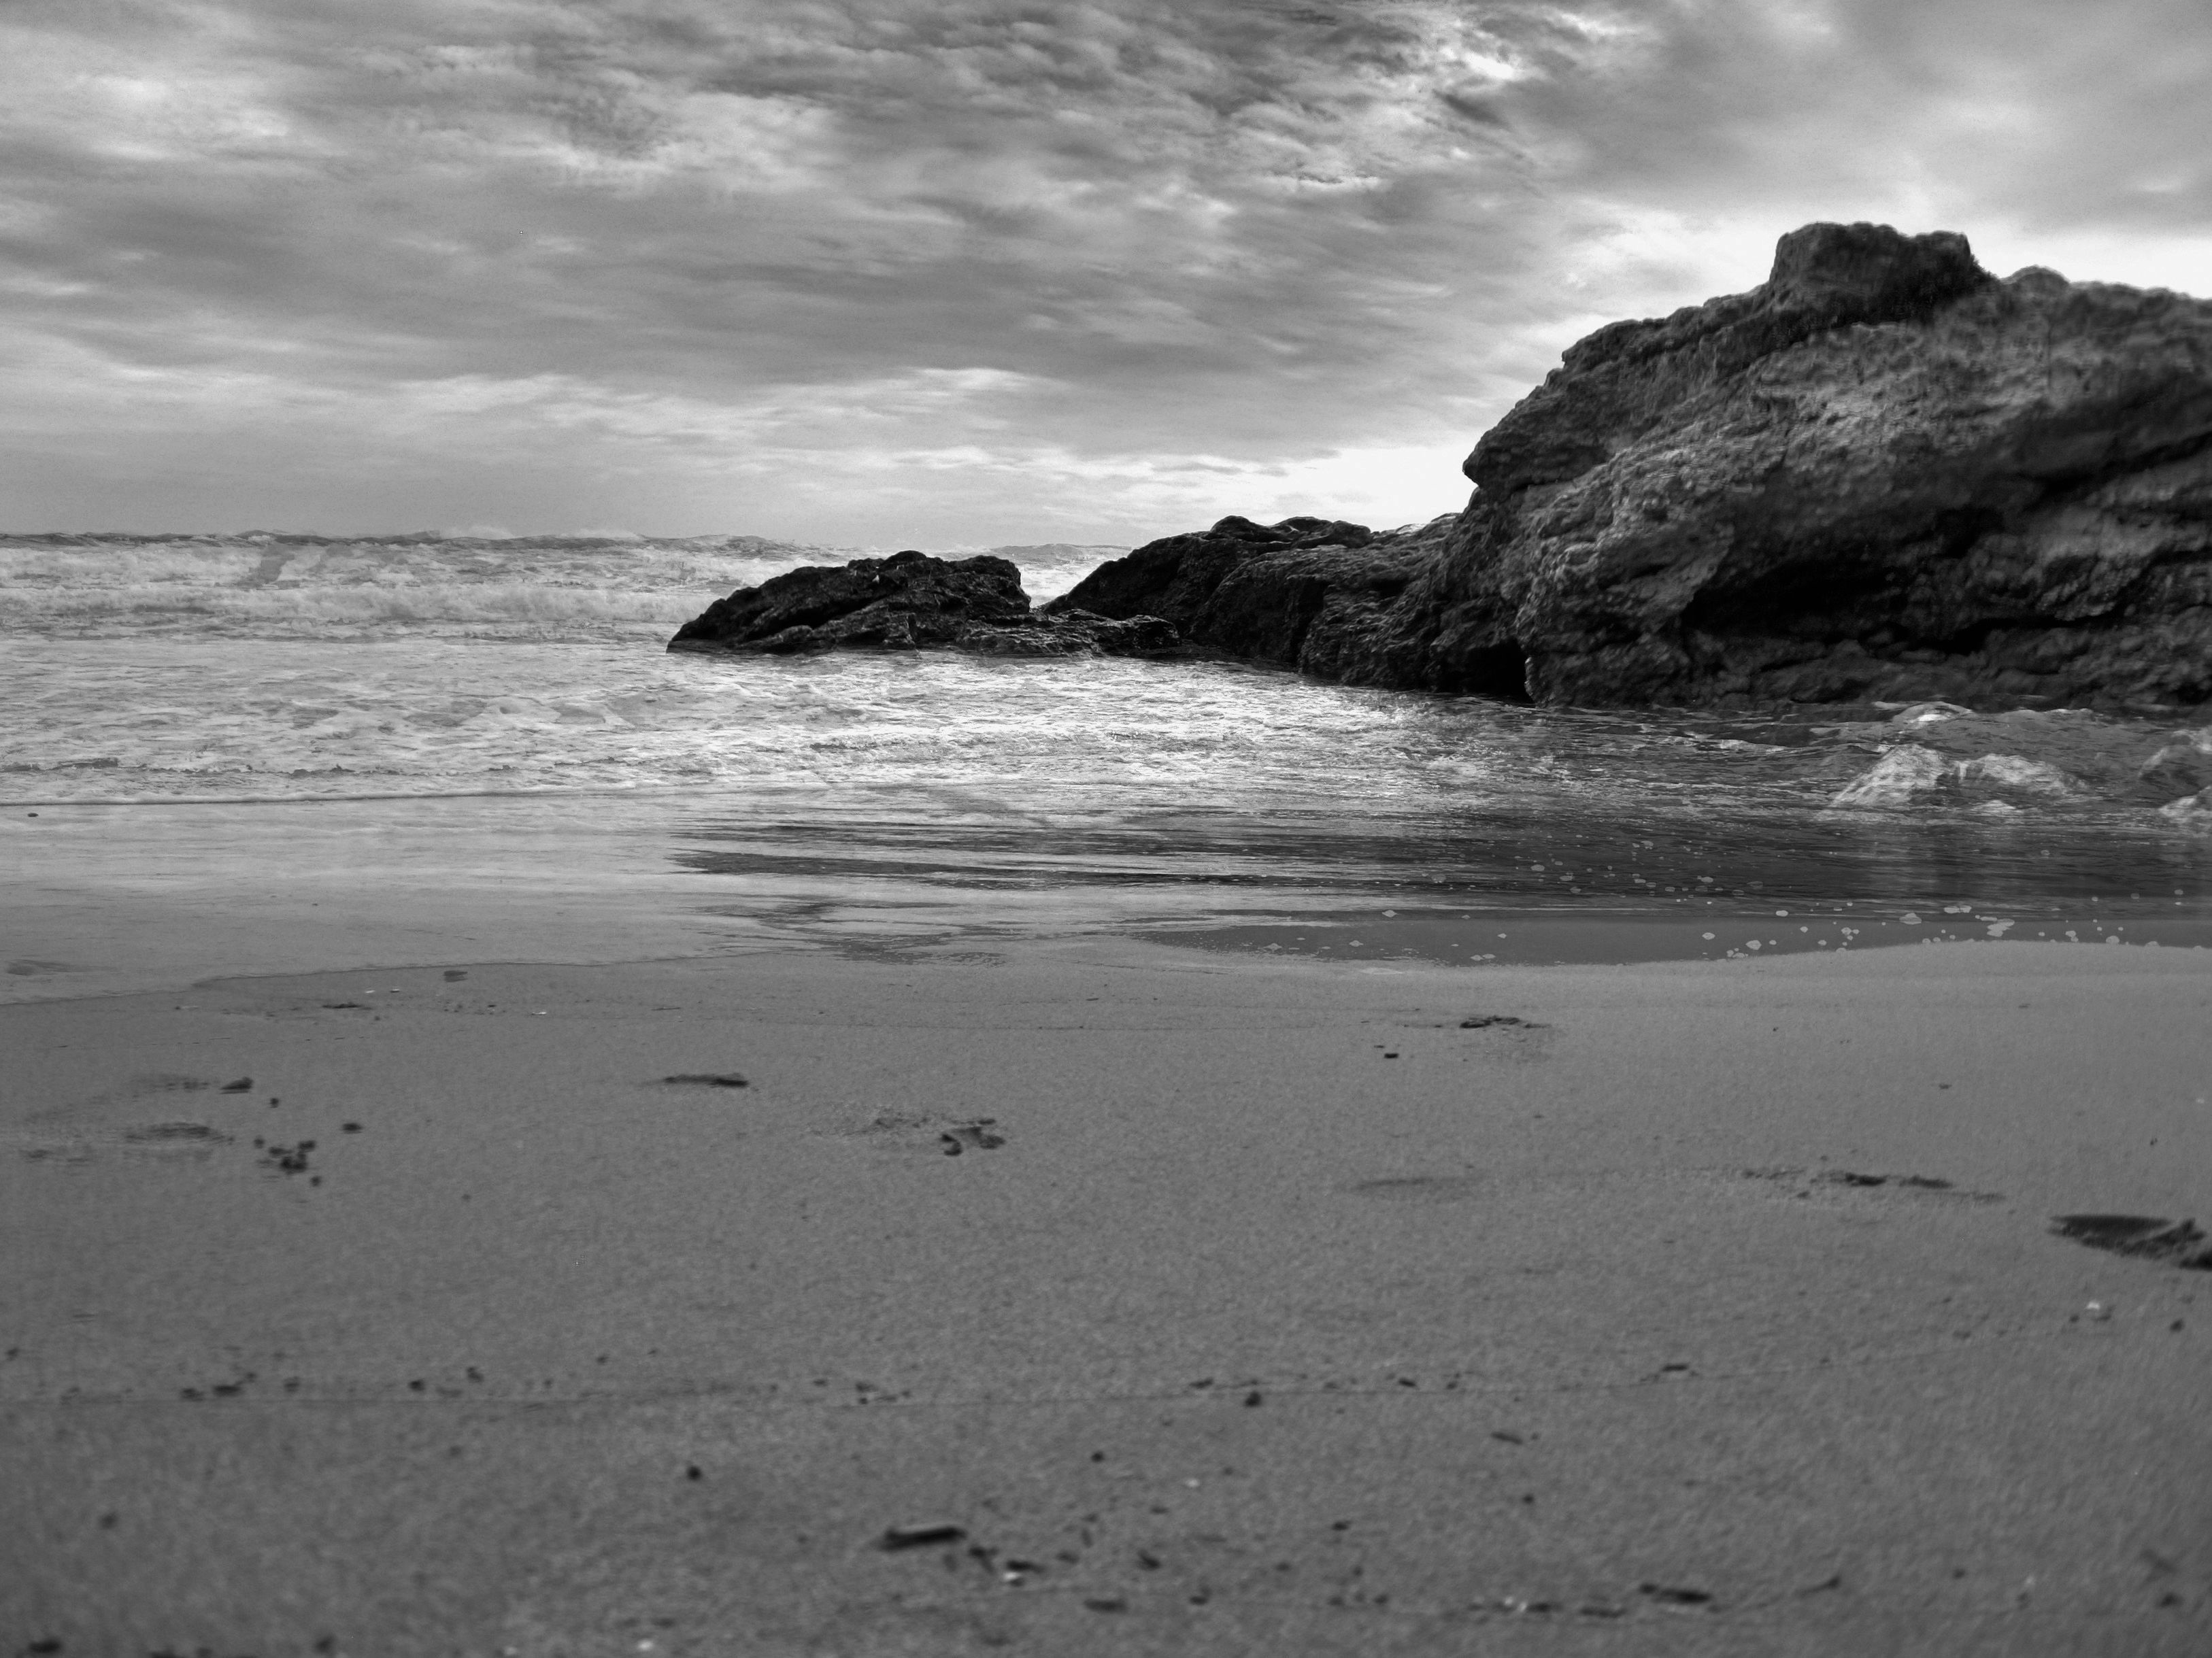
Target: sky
[949,273]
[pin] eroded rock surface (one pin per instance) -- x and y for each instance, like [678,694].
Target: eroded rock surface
[907,602]
[1883,474]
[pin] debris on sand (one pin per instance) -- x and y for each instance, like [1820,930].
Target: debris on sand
[908,1131]
[708,1079]
[287,1159]
[961,1136]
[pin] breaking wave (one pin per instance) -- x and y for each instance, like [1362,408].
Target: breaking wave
[253,675]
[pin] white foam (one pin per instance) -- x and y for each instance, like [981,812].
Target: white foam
[2192,812]
[1992,783]
[2014,773]
[253,668]
[1906,773]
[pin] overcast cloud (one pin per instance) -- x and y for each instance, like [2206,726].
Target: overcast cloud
[953,272]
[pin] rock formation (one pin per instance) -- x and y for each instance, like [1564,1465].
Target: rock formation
[1323,596]
[1883,474]
[908,601]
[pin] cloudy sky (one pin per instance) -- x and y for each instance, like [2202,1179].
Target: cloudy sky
[952,272]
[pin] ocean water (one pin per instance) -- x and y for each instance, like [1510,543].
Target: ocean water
[404,747]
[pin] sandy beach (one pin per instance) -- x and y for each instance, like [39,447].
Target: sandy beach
[1131,830]
[1176,1302]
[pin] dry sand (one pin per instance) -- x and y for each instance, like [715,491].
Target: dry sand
[1270,1310]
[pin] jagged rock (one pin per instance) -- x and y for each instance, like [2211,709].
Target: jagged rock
[1175,577]
[1883,474]
[909,599]
[907,602]
[1308,594]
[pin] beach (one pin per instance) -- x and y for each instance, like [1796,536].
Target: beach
[1223,1163]
[1170,1299]
[1095,830]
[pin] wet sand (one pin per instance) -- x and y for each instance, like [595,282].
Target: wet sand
[1183,1301]
[1464,935]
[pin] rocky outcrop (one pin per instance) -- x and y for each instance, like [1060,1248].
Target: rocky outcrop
[907,602]
[1315,594]
[1883,474]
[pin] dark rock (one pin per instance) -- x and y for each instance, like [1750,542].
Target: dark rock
[1631,379]
[1311,593]
[1175,577]
[1883,474]
[907,602]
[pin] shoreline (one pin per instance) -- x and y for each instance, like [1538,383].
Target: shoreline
[112,913]
[1297,1313]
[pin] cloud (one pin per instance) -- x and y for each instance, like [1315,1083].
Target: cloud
[962,270]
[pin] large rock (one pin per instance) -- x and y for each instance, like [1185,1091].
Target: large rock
[1883,474]
[907,602]
[1315,594]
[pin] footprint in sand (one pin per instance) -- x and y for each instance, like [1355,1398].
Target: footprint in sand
[165,1142]
[978,1134]
[2177,1243]
[85,1130]
[1846,1185]
[912,1131]
[185,1135]
[1417,1188]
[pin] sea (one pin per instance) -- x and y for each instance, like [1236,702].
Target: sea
[263,752]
